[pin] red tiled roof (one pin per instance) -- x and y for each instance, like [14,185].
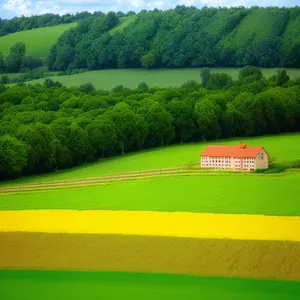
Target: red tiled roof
[241,150]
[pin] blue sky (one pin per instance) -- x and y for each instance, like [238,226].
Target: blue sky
[11,8]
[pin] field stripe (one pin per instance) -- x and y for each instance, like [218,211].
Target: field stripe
[149,223]
[200,257]
[58,285]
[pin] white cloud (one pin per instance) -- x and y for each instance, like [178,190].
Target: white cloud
[137,3]
[187,2]
[19,6]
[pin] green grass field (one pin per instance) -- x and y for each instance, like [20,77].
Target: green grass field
[212,194]
[124,22]
[282,148]
[33,285]
[107,79]
[291,33]
[249,194]
[38,41]
[256,26]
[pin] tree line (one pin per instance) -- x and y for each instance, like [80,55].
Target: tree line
[182,37]
[45,127]
[26,23]
[17,61]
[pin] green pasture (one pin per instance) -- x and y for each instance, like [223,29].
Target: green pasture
[282,148]
[38,41]
[131,78]
[292,32]
[46,285]
[124,22]
[258,25]
[228,194]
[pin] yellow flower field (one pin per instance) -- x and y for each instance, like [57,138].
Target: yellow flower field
[149,223]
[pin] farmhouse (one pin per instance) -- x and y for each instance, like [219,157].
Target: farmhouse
[241,157]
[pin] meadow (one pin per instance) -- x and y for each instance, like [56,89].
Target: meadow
[214,194]
[281,148]
[38,41]
[131,78]
[33,285]
[124,22]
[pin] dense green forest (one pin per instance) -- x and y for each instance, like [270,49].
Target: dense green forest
[183,37]
[48,127]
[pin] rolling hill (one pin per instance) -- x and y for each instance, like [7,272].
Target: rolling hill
[38,41]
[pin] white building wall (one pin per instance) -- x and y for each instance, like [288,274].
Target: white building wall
[234,163]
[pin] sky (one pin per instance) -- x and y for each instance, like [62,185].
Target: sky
[12,8]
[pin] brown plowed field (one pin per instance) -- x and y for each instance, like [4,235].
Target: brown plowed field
[212,257]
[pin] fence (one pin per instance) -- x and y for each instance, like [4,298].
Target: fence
[40,186]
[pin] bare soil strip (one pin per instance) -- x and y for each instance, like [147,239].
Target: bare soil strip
[153,223]
[207,257]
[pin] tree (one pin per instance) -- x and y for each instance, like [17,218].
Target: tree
[182,113]
[4,79]
[79,145]
[103,136]
[161,131]
[31,63]
[15,57]
[148,61]
[131,127]
[64,56]
[206,113]
[219,81]
[87,88]
[41,154]
[282,77]
[254,72]
[2,63]
[205,76]
[13,157]
[143,86]
[48,83]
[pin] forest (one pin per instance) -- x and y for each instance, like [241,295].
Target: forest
[46,127]
[183,37]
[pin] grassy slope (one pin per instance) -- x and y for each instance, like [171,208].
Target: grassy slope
[252,194]
[284,147]
[38,41]
[257,25]
[212,194]
[101,285]
[291,33]
[124,22]
[107,79]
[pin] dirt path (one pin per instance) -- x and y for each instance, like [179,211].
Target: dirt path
[208,257]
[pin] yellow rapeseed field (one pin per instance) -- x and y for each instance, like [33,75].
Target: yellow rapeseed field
[178,224]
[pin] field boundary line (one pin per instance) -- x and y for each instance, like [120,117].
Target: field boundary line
[126,176]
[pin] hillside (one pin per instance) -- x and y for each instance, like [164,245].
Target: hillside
[123,23]
[38,41]
[131,78]
[280,147]
[258,31]
[291,40]
[180,38]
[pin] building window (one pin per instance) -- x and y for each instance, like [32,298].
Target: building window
[261,155]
